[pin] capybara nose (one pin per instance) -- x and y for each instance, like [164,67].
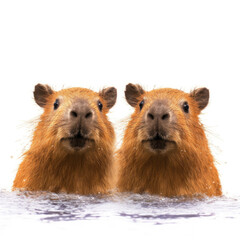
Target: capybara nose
[158,117]
[81,113]
[159,113]
[81,117]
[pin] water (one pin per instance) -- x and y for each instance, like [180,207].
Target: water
[40,214]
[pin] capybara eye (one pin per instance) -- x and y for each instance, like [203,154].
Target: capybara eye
[56,104]
[185,107]
[141,104]
[100,106]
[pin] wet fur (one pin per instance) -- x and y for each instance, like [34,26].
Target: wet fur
[186,171]
[46,166]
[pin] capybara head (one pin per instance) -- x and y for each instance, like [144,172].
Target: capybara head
[75,117]
[164,119]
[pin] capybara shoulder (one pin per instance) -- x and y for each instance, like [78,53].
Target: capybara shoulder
[73,143]
[165,150]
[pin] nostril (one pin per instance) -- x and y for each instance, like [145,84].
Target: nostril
[88,115]
[165,116]
[73,114]
[150,116]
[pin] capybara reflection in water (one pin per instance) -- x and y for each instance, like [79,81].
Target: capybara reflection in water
[73,143]
[165,150]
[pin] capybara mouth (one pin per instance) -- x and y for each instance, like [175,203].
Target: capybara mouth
[158,143]
[77,141]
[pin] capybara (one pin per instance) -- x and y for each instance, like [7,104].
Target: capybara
[165,150]
[73,143]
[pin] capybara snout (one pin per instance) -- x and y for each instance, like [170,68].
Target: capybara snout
[159,114]
[81,117]
[80,122]
[158,126]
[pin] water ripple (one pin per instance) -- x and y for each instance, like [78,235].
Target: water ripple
[51,207]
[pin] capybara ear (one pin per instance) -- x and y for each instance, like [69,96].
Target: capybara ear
[41,94]
[201,96]
[109,95]
[132,93]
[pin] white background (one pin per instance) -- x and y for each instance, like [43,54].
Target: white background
[93,44]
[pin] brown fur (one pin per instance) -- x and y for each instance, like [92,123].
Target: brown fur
[186,170]
[50,166]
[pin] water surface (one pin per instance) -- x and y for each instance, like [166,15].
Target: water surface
[41,214]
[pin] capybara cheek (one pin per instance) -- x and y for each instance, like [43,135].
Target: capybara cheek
[96,135]
[62,133]
[176,137]
[141,134]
